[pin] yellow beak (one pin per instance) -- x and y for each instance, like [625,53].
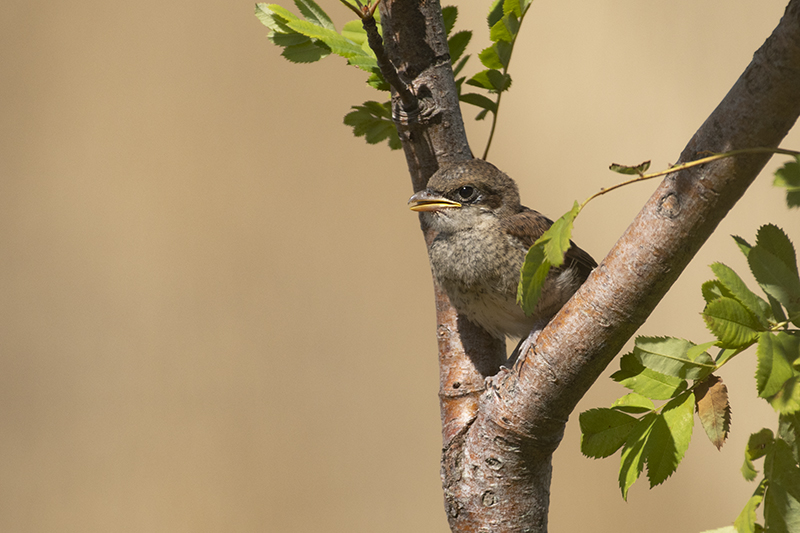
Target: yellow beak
[427,201]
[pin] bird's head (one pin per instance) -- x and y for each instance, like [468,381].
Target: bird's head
[462,195]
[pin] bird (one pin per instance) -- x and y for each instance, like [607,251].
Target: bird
[482,236]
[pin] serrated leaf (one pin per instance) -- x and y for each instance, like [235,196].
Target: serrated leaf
[306,52]
[746,521]
[604,431]
[633,403]
[287,39]
[505,29]
[372,121]
[457,69]
[495,13]
[713,409]
[271,20]
[674,357]
[312,12]
[668,441]
[788,177]
[496,56]
[458,43]
[335,41]
[782,498]
[731,323]
[479,100]
[450,15]
[376,81]
[713,289]
[774,373]
[789,431]
[640,169]
[491,79]
[774,240]
[532,277]
[632,459]
[776,279]
[738,290]
[758,445]
[354,30]
[743,245]
[489,58]
[633,375]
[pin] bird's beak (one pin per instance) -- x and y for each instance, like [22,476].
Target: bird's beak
[426,201]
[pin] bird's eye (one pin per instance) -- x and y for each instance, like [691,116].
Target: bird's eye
[466,192]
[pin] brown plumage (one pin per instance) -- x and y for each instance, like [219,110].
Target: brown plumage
[483,235]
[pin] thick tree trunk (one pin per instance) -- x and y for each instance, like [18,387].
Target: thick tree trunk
[499,440]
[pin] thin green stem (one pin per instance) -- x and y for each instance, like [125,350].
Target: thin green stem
[690,164]
[500,94]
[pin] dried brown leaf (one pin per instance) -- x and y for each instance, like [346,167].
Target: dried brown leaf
[713,409]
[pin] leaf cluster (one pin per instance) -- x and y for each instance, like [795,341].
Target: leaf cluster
[682,373]
[313,36]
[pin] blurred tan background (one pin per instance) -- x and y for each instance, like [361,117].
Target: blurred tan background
[215,307]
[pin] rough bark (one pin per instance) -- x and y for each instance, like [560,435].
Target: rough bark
[499,440]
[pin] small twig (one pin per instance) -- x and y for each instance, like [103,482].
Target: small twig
[367,15]
[690,164]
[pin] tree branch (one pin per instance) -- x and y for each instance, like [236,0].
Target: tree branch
[416,44]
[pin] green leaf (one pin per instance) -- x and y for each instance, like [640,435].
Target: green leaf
[713,289]
[373,121]
[517,7]
[731,323]
[674,357]
[496,56]
[457,69]
[354,30]
[737,288]
[604,431]
[725,354]
[788,177]
[557,240]
[449,14]
[632,459]
[633,403]
[505,29]
[725,529]
[669,438]
[743,245]
[774,240]
[713,409]
[271,20]
[312,12]
[776,353]
[491,79]
[306,52]
[789,431]
[532,276]
[495,13]
[746,521]
[782,498]
[639,169]
[457,44]
[777,379]
[636,377]
[776,279]
[757,446]
[479,100]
